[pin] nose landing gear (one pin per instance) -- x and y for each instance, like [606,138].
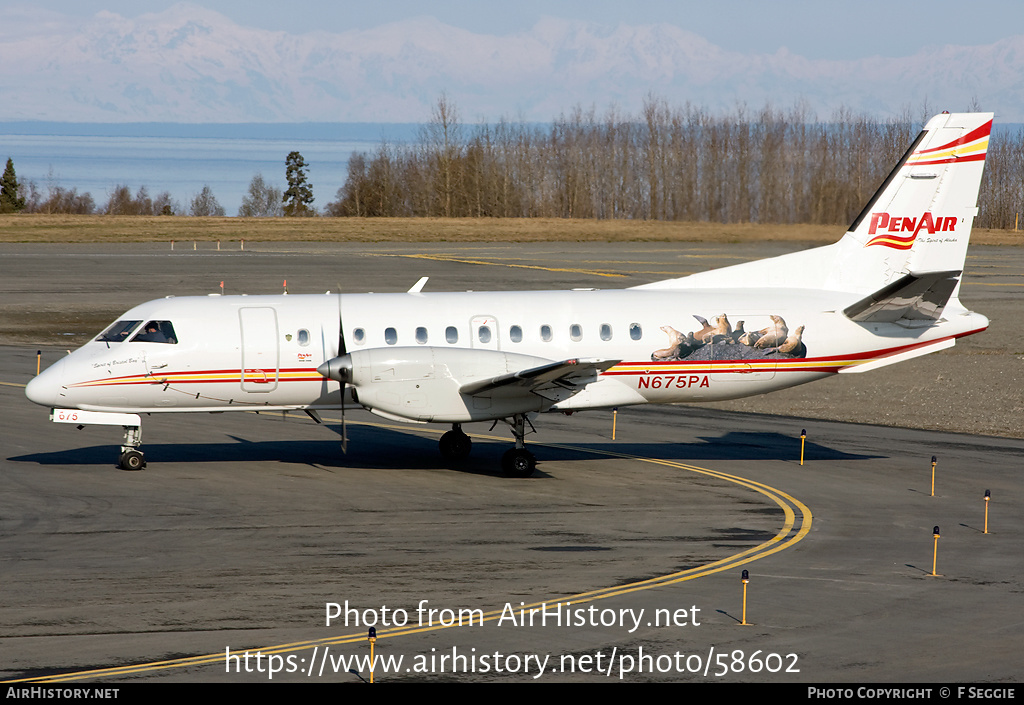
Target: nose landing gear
[131,457]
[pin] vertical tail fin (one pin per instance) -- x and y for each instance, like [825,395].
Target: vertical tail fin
[920,219]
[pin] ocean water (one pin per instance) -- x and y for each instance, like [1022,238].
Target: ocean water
[182,159]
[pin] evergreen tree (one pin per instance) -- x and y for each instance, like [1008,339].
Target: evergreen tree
[10,201]
[299,196]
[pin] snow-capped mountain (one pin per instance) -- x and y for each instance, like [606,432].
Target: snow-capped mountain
[189,64]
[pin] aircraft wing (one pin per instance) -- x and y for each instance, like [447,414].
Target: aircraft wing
[555,381]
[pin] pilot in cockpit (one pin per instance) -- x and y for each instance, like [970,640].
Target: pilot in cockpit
[156,332]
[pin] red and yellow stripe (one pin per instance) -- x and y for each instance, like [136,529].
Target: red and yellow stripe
[829,364]
[968,148]
[231,376]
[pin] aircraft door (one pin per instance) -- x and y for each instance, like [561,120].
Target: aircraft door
[483,333]
[260,349]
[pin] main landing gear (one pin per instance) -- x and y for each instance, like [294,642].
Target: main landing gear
[455,445]
[518,462]
[131,457]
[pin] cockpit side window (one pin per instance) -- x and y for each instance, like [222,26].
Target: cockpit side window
[156,332]
[118,332]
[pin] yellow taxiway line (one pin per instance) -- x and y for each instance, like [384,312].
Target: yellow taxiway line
[795,527]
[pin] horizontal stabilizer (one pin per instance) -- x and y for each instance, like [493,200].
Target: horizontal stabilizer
[913,297]
[571,375]
[899,357]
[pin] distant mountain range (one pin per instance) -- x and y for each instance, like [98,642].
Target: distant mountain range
[189,64]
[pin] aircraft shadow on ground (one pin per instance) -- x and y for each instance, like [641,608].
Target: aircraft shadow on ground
[735,445]
[384,449]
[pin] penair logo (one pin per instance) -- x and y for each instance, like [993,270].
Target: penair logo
[888,225]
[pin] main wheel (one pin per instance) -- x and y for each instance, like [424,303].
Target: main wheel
[132,460]
[518,462]
[455,445]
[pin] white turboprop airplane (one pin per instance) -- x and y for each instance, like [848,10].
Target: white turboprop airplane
[886,292]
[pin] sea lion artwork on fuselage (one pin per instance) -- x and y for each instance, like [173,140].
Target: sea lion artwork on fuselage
[719,340]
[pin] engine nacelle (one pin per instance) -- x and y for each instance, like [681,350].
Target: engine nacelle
[422,383]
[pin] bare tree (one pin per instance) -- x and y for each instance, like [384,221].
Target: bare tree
[262,200]
[205,203]
[444,136]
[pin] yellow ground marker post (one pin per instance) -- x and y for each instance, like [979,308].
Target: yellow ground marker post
[803,439]
[615,416]
[988,496]
[372,637]
[39,360]
[935,551]
[933,475]
[746,579]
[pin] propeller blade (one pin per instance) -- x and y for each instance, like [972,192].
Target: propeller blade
[344,434]
[342,350]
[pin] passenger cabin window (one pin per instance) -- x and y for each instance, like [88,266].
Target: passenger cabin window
[545,333]
[484,333]
[118,332]
[515,334]
[359,335]
[390,336]
[421,335]
[576,332]
[156,332]
[451,334]
[606,331]
[303,337]
[635,331]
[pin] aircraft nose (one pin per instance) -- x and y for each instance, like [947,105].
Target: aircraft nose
[45,387]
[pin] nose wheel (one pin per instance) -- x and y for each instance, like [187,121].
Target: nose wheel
[132,460]
[131,457]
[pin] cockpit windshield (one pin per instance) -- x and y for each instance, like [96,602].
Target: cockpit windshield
[156,332]
[118,333]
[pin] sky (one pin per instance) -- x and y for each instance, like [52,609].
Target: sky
[817,30]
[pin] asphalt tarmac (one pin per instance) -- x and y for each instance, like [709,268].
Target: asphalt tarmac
[244,530]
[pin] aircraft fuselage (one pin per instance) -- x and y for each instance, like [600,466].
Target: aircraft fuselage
[262,352]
